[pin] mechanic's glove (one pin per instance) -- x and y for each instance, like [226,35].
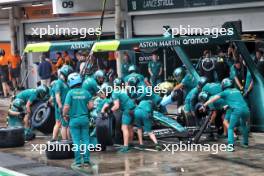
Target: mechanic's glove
[245,95]
[104,115]
[137,101]
[202,109]
[225,107]
[22,114]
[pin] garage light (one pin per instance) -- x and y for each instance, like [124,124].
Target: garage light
[37,4]
[7,8]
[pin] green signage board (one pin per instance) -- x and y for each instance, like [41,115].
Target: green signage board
[145,5]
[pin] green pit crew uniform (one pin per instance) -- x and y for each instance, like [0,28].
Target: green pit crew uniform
[31,96]
[212,89]
[155,69]
[138,76]
[190,100]
[60,87]
[28,95]
[189,83]
[91,85]
[143,114]
[239,113]
[77,99]
[14,121]
[124,69]
[126,106]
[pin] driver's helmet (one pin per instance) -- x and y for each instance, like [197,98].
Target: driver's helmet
[179,74]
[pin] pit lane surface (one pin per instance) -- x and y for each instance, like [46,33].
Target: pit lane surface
[241,162]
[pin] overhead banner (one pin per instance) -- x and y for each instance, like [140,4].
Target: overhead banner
[145,5]
[75,6]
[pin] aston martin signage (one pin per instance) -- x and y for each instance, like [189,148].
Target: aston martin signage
[142,5]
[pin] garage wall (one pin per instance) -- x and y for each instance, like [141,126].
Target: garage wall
[4,33]
[152,24]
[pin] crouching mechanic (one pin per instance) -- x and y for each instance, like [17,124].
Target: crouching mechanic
[76,110]
[186,82]
[192,98]
[60,89]
[239,110]
[29,96]
[16,113]
[143,114]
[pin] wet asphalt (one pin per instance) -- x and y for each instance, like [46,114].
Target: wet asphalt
[241,162]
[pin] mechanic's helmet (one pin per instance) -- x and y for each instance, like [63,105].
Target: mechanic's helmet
[117,82]
[42,91]
[74,79]
[226,83]
[2,52]
[107,89]
[133,81]
[99,76]
[18,103]
[179,73]
[132,68]
[201,83]
[65,70]
[203,96]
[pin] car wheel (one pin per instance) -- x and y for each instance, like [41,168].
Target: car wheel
[43,117]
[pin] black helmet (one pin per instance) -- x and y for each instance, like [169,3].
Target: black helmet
[42,91]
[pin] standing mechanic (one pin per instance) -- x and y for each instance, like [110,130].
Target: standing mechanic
[143,114]
[239,110]
[125,65]
[61,89]
[121,101]
[155,70]
[76,111]
[4,73]
[91,84]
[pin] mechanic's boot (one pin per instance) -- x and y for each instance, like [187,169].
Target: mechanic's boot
[243,145]
[141,147]
[124,149]
[158,147]
[88,164]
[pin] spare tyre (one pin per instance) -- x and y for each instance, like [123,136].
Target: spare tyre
[104,131]
[11,137]
[43,117]
[59,149]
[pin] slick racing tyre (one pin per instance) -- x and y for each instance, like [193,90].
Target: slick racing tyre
[11,137]
[118,135]
[104,131]
[43,117]
[59,150]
